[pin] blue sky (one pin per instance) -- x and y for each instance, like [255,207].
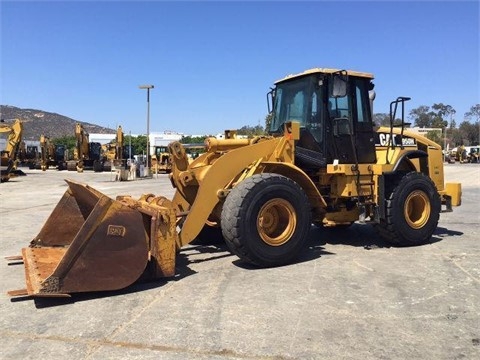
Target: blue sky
[212,63]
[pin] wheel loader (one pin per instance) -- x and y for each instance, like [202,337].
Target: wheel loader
[323,163]
[160,162]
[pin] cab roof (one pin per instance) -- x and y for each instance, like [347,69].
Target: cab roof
[325,71]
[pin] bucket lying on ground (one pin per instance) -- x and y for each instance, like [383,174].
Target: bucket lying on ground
[91,242]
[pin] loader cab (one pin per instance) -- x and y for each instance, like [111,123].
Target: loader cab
[334,113]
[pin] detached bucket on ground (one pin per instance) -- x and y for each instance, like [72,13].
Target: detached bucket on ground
[91,242]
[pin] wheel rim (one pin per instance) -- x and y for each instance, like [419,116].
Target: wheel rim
[276,222]
[417,209]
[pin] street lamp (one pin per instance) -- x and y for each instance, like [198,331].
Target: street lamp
[147,87]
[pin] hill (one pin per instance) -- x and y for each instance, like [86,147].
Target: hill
[38,122]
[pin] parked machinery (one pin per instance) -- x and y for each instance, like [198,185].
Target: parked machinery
[473,155]
[12,135]
[28,155]
[464,154]
[52,155]
[323,162]
[114,154]
[87,155]
[160,162]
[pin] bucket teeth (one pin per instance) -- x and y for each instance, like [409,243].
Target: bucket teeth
[19,292]
[13,258]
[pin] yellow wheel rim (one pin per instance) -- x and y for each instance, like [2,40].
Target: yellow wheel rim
[417,209]
[276,222]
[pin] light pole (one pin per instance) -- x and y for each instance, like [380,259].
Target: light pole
[130,145]
[445,144]
[147,87]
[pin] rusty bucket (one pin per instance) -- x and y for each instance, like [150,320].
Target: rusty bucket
[91,242]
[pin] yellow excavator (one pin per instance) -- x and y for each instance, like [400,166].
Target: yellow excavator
[323,162]
[113,153]
[12,135]
[86,155]
[51,155]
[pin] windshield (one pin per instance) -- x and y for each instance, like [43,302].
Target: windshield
[292,101]
[159,150]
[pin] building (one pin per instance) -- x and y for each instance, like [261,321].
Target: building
[155,138]
[101,138]
[423,131]
[162,139]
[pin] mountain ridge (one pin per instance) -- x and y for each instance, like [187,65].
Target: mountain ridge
[39,122]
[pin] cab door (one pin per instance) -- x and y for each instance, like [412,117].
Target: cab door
[364,134]
[350,125]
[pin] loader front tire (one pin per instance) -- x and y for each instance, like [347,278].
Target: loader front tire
[266,220]
[412,211]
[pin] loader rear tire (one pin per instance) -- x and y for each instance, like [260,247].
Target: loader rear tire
[266,220]
[412,211]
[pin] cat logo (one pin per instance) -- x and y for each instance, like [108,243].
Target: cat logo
[384,140]
[116,230]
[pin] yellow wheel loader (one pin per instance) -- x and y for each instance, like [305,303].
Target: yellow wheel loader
[323,162]
[160,162]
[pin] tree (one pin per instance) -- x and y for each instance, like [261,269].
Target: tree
[193,140]
[251,131]
[436,117]
[456,137]
[435,136]
[469,132]
[474,113]
[268,121]
[453,124]
[440,115]
[139,143]
[70,142]
[421,116]
[381,119]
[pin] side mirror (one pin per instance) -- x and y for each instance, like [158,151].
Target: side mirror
[270,100]
[339,87]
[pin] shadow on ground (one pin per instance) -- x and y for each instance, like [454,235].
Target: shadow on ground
[358,235]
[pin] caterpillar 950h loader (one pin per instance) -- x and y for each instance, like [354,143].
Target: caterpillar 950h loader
[323,163]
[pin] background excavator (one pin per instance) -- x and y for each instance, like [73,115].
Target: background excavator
[114,154]
[51,155]
[12,134]
[86,155]
[323,162]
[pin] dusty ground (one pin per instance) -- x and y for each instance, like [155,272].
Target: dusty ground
[349,297]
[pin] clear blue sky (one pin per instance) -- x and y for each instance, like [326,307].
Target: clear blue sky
[212,63]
